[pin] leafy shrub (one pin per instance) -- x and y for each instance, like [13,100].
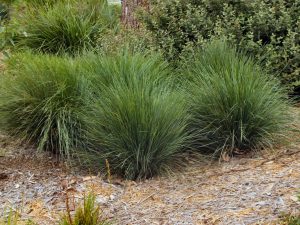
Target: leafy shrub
[138,123]
[65,26]
[89,214]
[135,40]
[235,105]
[269,30]
[39,99]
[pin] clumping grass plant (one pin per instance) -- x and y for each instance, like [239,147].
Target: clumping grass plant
[234,104]
[65,26]
[139,123]
[40,99]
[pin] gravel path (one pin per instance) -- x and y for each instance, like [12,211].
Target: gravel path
[252,190]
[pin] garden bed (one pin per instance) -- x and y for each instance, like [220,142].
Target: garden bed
[244,190]
[152,106]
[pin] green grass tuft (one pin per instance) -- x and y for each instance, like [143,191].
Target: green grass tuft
[138,123]
[235,105]
[39,101]
[89,214]
[65,26]
[14,218]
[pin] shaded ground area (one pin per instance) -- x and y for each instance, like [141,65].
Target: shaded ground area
[252,190]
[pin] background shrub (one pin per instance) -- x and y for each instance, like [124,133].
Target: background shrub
[134,40]
[269,30]
[40,99]
[234,104]
[138,123]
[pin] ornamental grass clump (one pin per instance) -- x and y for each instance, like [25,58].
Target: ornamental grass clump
[40,99]
[65,26]
[139,123]
[234,103]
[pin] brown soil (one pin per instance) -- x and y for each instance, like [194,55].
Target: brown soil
[244,190]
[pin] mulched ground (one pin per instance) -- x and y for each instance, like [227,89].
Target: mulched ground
[244,190]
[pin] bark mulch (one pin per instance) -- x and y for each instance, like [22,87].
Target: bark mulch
[243,190]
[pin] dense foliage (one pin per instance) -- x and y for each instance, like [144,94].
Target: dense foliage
[58,27]
[268,30]
[77,85]
[40,99]
[235,105]
[138,122]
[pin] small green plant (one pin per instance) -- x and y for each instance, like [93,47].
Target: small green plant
[138,123]
[40,96]
[235,105]
[14,218]
[88,214]
[291,220]
[288,219]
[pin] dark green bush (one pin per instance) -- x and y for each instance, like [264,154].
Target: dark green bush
[65,26]
[40,99]
[268,30]
[138,122]
[234,104]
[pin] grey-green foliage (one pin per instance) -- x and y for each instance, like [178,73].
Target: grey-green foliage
[234,103]
[61,26]
[268,30]
[40,99]
[139,122]
[122,108]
